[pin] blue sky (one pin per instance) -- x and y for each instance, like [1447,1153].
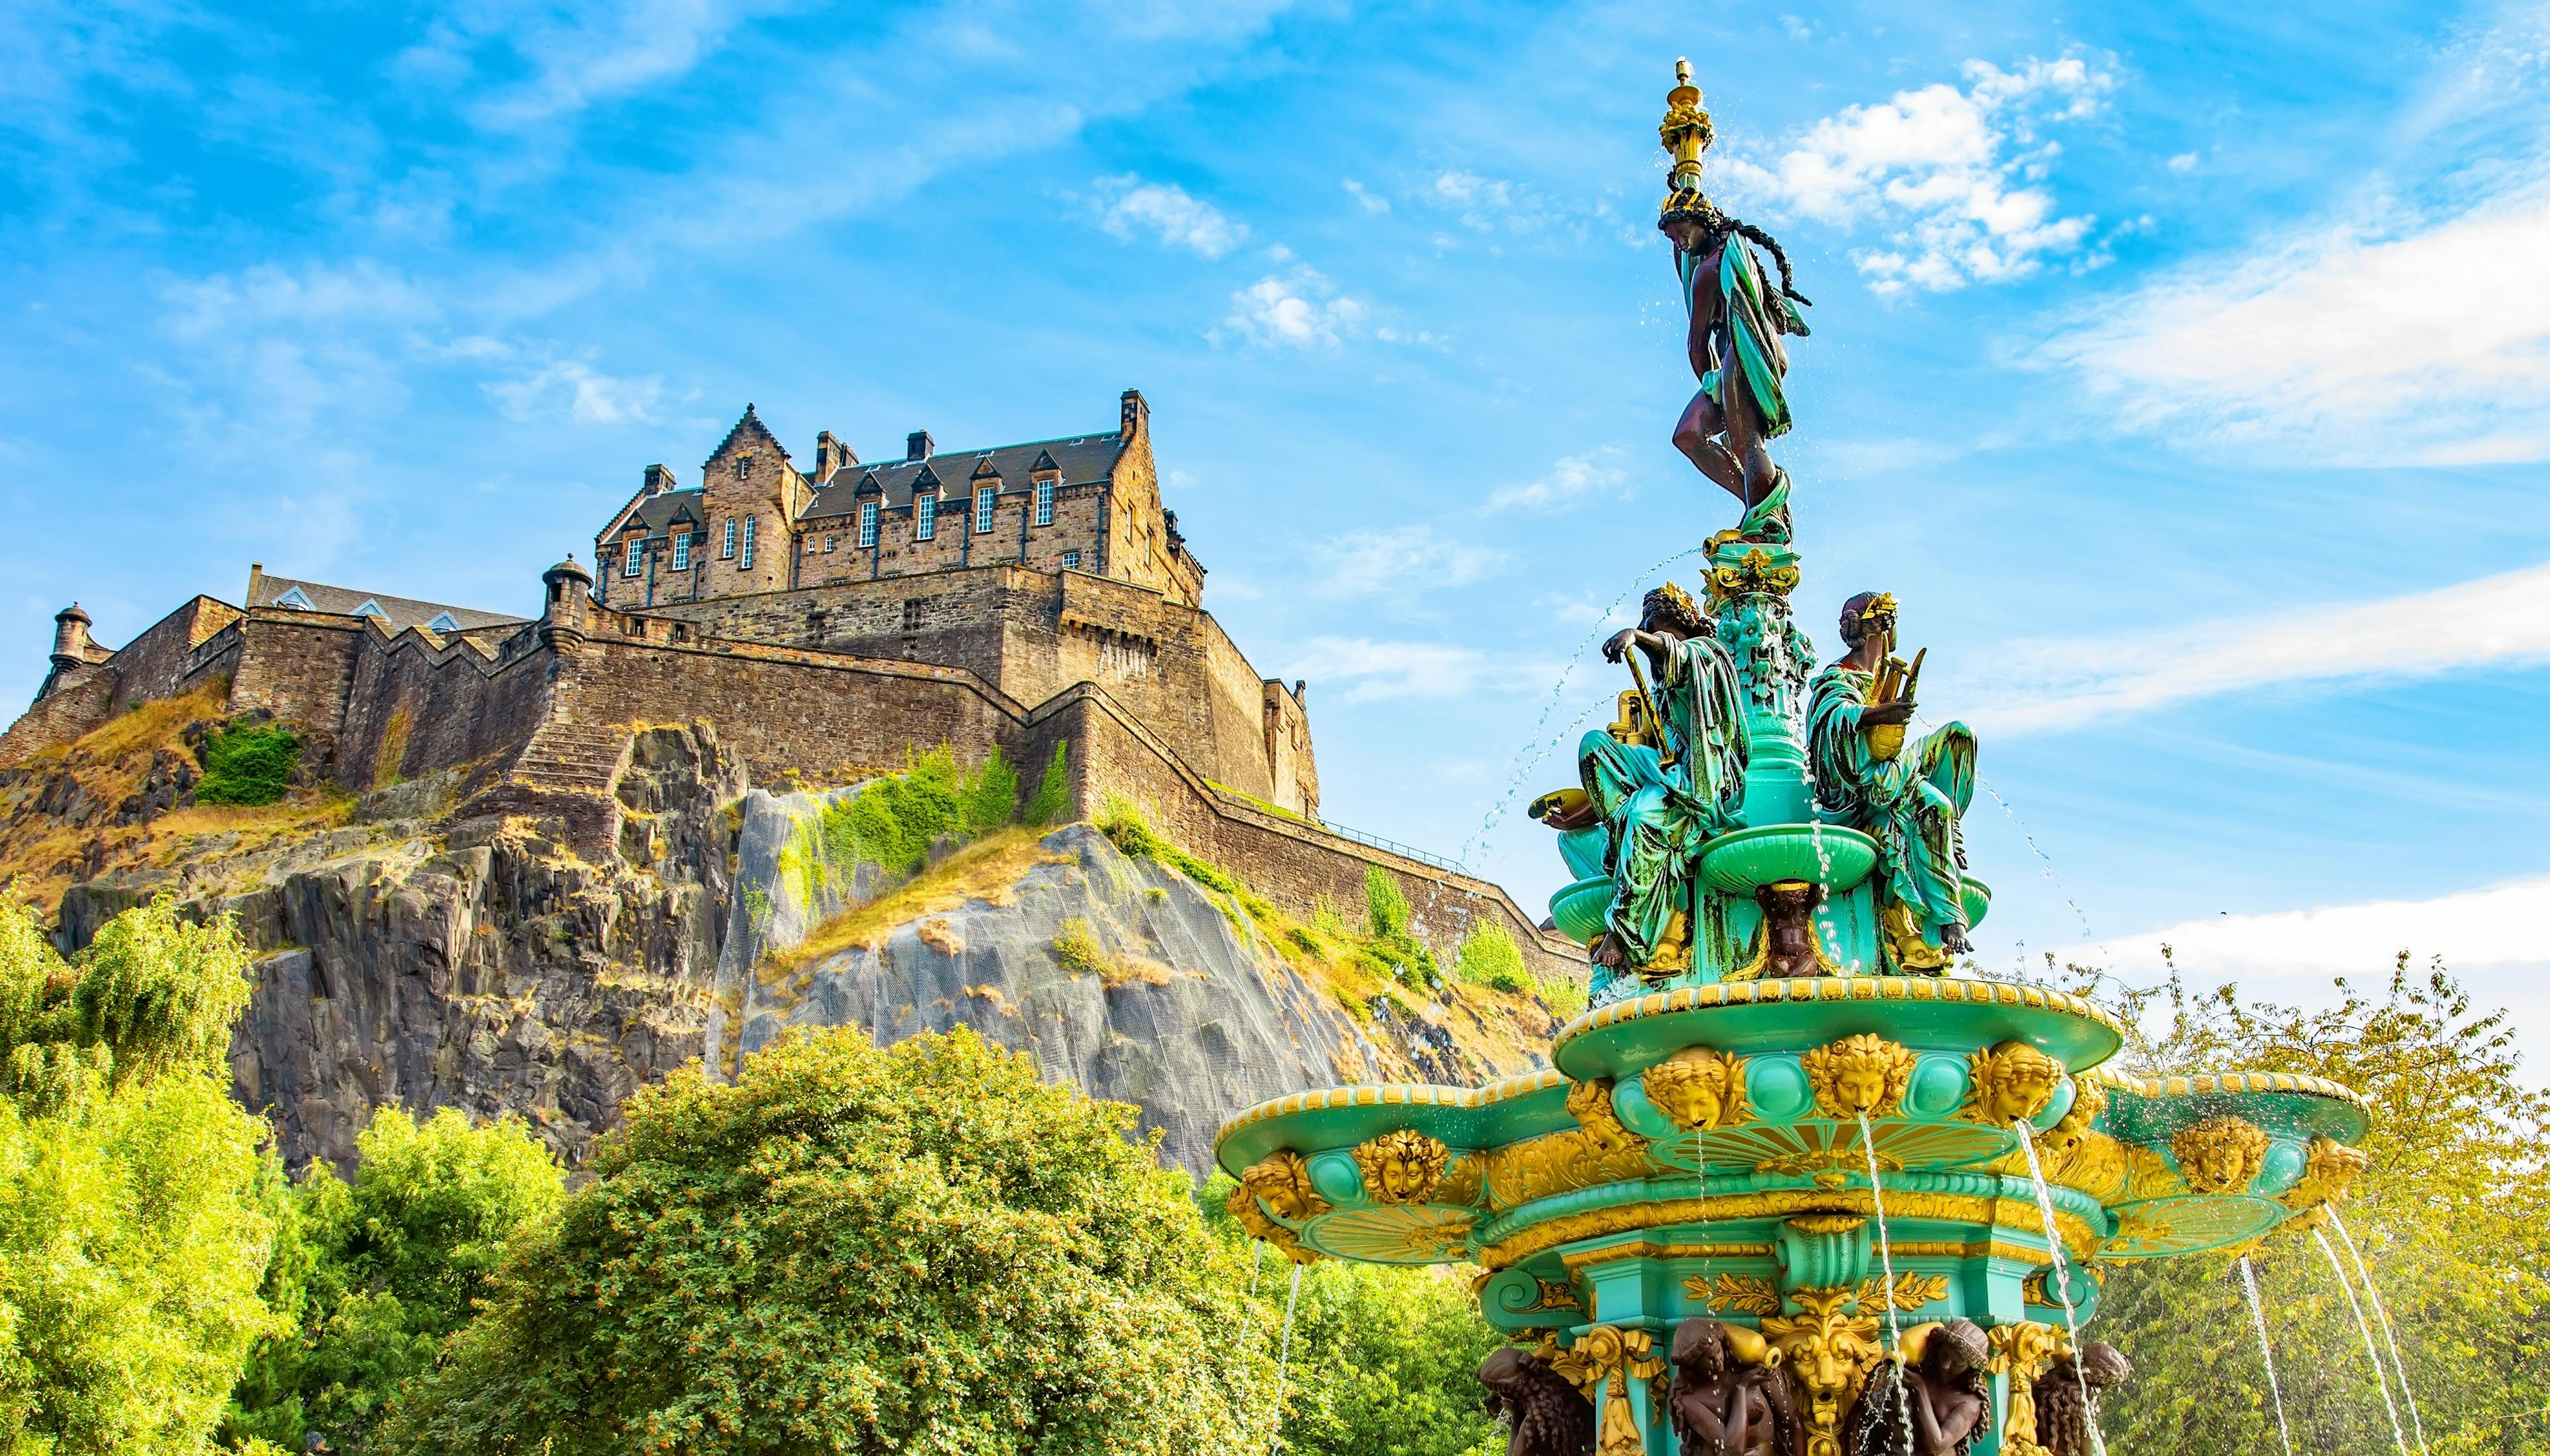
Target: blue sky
[2184,369]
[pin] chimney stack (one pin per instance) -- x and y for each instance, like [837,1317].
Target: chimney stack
[831,456]
[918,445]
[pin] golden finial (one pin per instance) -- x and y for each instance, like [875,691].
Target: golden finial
[1685,134]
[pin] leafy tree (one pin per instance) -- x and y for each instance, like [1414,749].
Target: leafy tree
[925,1248]
[374,1274]
[136,1208]
[2453,1217]
[1384,1360]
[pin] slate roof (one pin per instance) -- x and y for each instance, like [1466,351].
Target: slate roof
[1082,460]
[396,611]
[658,512]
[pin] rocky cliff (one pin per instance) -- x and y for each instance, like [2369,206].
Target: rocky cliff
[448,943]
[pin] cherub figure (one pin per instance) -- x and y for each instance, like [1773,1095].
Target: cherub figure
[1935,1395]
[2063,1414]
[1546,1413]
[1723,1407]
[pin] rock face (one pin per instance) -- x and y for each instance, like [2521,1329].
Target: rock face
[1119,975]
[418,959]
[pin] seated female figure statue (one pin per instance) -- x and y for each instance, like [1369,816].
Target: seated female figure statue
[1911,802]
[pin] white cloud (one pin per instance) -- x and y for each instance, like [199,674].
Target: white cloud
[1488,204]
[2430,345]
[1294,309]
[1370,201]
[575,391]
[1597,472]
[2051,686]
[2474,929]
[1372,671]
[1945,171]
[1399,562]
[1169,215]
[577,53]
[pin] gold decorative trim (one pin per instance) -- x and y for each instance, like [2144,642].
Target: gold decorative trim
[2158,1087]
[1651,1249]
[2013,1215]
[1953,989]
[1393,1093]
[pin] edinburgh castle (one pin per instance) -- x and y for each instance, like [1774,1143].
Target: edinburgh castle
[825,622]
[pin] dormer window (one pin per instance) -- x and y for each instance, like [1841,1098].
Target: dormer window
[295,597]
[443,622]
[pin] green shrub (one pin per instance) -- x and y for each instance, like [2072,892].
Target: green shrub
[1053,791]
[1488,956]
[246,763]
[1076,950]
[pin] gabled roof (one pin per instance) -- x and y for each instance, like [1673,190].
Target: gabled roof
[1081,460]
[394,612]
[751,431]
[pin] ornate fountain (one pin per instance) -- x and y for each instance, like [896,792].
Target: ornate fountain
[1797,1181]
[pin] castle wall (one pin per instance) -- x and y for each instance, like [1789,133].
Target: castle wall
[414,708]
[1034,633]
[150,667]
[1295,865]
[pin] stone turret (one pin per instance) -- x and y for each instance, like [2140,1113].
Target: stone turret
[566,603]
[70,639]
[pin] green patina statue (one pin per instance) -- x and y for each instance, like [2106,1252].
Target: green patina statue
[1660,799]
[1910,797]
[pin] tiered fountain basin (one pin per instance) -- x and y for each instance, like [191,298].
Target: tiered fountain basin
[1700,1153]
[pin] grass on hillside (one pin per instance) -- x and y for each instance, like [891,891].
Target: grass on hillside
[44,855]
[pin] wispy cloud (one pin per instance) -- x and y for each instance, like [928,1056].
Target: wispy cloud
[1296,307]
[567,389]
[1947,172]
[1401,561]
[1601,472]
[1168,216]
[575,53]
[1371,671]
[2427,345]
[2497,926]
[2040,687]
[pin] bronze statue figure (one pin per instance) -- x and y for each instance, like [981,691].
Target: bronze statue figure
[1737,319]
[2063,1416]
[1660,799]
[1934,1396]
[1910,798]
[1545,1412]
[1721,1406]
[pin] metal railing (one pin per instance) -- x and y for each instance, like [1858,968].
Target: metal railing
[1411,851]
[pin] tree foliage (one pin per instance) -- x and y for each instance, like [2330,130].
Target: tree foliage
[374,1274]
[925,1248]
[2453,1217]
[137,1210]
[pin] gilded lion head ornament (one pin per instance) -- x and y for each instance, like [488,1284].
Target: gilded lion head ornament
[1402,1167]
[1861,1076]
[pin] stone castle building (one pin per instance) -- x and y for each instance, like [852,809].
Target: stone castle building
[828,623]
